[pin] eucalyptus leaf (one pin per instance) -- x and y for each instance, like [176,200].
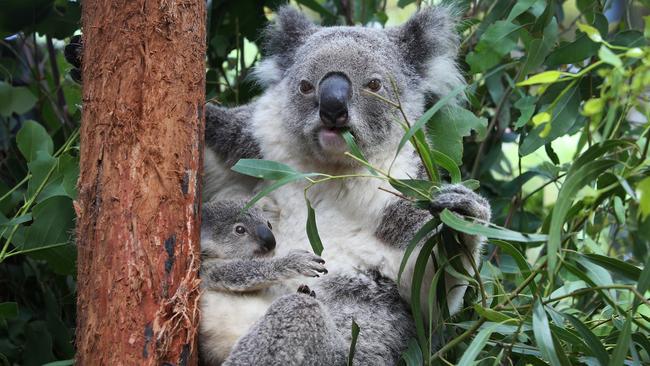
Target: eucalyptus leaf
[457,223]
[543,335]
[15,99]
[312,230]
[33,138]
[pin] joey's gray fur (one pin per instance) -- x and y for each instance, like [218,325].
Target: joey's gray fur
[238,266]
[317,82]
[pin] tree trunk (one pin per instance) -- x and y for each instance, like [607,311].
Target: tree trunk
[139,191]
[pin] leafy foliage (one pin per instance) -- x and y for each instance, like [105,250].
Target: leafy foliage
[555,129]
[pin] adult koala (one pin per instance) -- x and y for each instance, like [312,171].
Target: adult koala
[315,79]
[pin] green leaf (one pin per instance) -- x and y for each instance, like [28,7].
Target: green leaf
[522,264]
[575,180]
[580,49]
[491,315]
[48,237]
[543,336]
[644,198]
[38,344]
[622,343]
[353,342]
[15,99]
[418,189]
[8,310]
[60,363]
[644,278]
[416,287]
[526,107]
[354,150]
[545,77]
[312,230]
[538,49]
[519,7]
[15,221]
[419,124]
[500,37]
[635,52]
[594,345]
[265,169]
[564,117]
[470,354]
[591,32]
[277,184]
[458,223]
[593,106]
[448,164]
[609,57]
[41,168]
[426,230]
[317,7]
[447,128]
[614,265]
[413,355]
[33,138]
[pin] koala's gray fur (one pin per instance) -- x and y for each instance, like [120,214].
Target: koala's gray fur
[364,230]
[239,267]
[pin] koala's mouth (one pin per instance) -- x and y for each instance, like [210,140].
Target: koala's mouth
[331,139]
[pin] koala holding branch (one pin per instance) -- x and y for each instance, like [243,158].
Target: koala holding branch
[315,79]
[240,275]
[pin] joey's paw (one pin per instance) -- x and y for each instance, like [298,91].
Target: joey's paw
[305,263]
[72,53]
[460,199]
[304,289]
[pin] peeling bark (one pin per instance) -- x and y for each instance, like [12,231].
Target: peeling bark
[139,191]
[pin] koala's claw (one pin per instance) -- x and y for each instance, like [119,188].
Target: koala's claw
[460,199]
[305,263]
[304,289]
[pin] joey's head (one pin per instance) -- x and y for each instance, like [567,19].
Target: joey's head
[228,233]
[328,80]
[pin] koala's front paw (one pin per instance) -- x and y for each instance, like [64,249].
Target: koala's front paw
[460,199]
[304,289]
[72,53]
[305,263]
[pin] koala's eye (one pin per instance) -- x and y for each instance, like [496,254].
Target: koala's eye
[305,87]
[269,224]
[240,229]
[374,85]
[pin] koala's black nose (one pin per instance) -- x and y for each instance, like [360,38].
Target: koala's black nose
[266,236]
[334,92]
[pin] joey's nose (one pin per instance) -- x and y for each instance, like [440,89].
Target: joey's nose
[266,237]
[334,92]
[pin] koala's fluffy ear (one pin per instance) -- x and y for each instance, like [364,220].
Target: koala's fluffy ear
[429,33]
[429,44]
[281,39]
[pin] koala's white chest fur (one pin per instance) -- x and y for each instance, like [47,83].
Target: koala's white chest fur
[347,211]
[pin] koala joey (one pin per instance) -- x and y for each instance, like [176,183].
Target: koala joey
[240,274]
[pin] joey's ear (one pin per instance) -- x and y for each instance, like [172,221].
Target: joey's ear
[429,34]
[281,39]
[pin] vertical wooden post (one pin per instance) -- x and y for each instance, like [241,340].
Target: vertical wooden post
[139,190]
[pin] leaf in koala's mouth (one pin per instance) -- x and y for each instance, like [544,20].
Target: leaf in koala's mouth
[331,140]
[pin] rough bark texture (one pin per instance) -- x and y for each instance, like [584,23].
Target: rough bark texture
[139,206]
